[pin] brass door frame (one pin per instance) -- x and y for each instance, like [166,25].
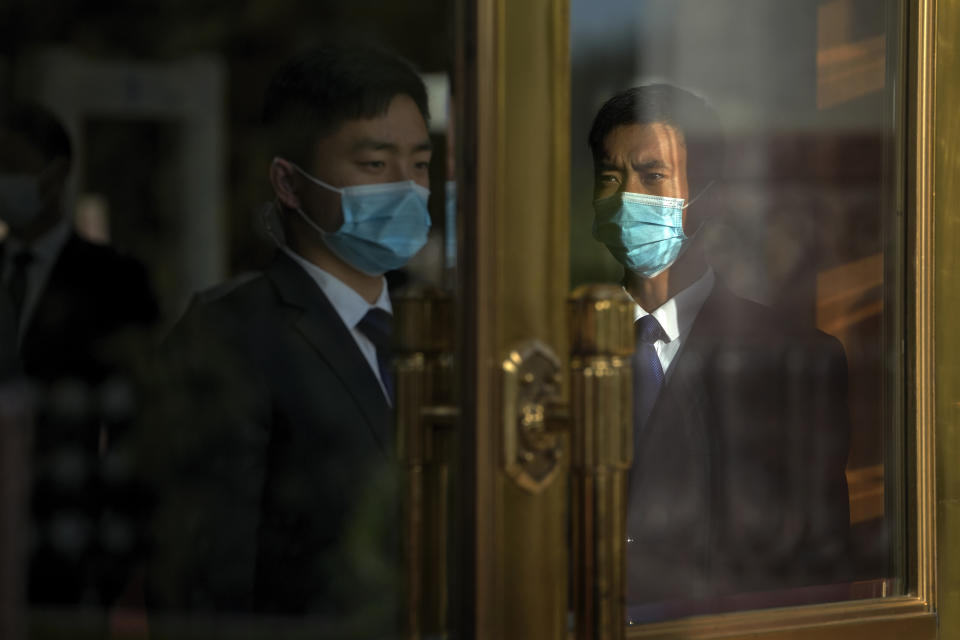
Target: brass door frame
[943,145]
[515,172]
[513,61]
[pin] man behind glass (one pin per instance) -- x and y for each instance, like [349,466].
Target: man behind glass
[276,473]
[740,421]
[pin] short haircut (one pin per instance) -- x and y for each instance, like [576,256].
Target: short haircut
[689,114]
[312,95]
[40,128]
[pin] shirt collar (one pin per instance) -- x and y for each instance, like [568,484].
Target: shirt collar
[350,305]
[677,314]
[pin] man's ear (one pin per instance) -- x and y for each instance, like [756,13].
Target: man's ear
[283,179]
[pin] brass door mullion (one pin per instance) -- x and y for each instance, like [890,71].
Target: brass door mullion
[424,370]
[601,327]
[516,231]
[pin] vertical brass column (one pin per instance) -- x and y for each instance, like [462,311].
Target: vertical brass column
[601,410]
[424,383]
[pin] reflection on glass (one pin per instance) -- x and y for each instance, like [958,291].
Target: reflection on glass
[246,456]
[763,241]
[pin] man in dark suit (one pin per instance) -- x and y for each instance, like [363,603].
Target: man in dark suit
[741,427]
[76,312]
[277,474]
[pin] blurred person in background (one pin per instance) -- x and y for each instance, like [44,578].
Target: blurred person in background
[273,450]
[75,312]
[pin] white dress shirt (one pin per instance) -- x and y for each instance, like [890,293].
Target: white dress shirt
[676,316]
[45,251]
[351,307]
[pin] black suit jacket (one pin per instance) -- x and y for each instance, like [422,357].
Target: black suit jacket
[275,469]
[738,483]
[79,349]
[94,295]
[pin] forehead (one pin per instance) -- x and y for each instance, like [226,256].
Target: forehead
[645,142]
[402,125]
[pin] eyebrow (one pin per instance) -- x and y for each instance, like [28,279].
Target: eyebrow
[608,165]
[651,164]
[373,144]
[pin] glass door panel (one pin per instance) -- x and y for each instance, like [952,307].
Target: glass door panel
[796,201]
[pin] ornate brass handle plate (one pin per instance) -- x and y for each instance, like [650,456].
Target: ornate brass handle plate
[532,446]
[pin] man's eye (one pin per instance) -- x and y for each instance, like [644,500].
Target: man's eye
[609,179]
[423,165]
[655,177]
[374,164]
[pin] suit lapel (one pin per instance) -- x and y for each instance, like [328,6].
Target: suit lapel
[675,449]
[323,329]
[684,393]
[56,293]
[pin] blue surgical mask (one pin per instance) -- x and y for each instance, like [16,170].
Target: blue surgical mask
[384,225]
[643,232]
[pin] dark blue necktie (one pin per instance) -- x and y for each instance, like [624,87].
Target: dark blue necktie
[377,325]
[647,372]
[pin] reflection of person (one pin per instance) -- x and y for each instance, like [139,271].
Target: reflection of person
[741,426]
[278,494]
[76,306]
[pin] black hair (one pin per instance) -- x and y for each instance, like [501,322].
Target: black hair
[40,127]
[689,114]
[313,94]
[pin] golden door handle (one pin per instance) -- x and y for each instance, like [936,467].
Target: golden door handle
[599,420]
[596,427]
[532,440]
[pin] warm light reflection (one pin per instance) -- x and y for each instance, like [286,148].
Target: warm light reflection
[866,493]
[846,69]
[849,294]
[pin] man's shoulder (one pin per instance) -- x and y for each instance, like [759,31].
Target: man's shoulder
[81,254]
[221,325]
[229,303]
[734,319]
[244,286]
[281,281]
[97,280]
[249,305]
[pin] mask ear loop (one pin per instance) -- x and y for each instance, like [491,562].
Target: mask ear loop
[300,212]
[313,179]
[695,198]
[270,226]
